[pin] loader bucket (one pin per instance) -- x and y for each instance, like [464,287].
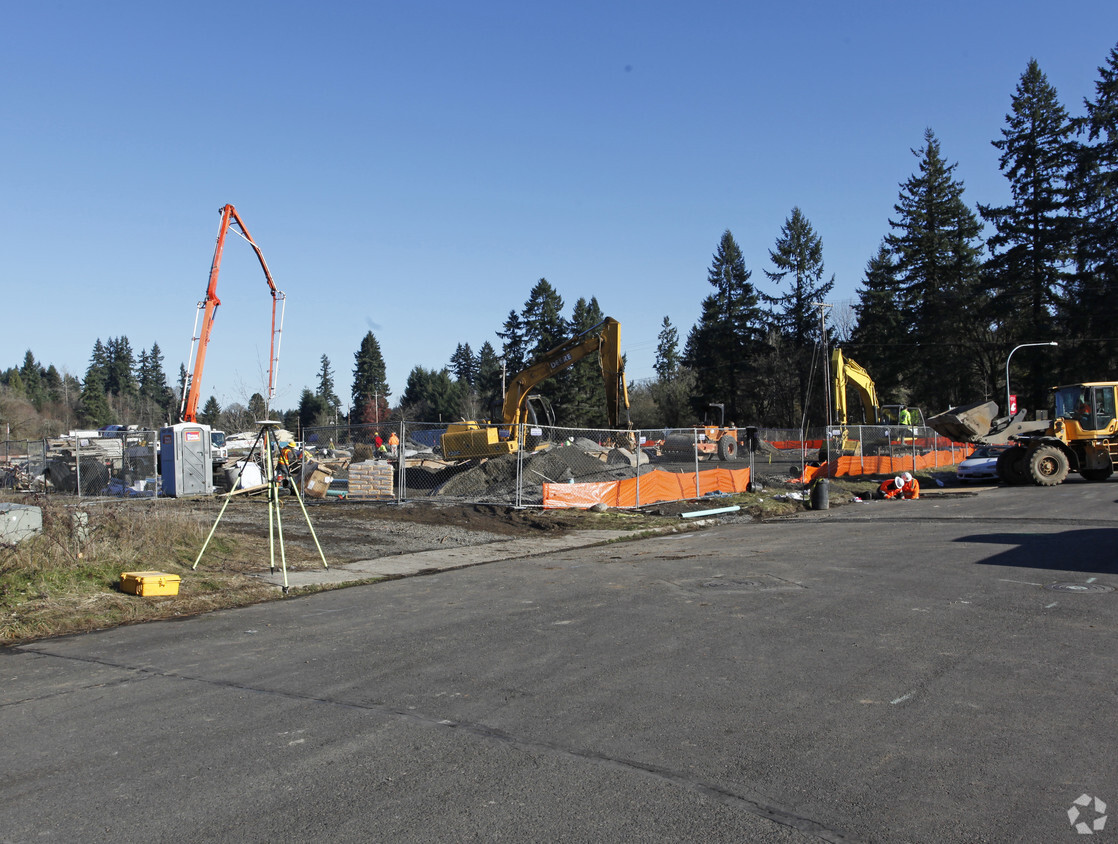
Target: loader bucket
[966,423]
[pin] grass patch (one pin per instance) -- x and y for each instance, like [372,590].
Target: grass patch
[66,580]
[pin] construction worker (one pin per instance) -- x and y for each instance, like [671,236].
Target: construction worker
[393,443]
[890,488]
[911,487]
[906,416]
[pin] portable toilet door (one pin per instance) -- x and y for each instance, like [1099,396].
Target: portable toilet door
[185,455]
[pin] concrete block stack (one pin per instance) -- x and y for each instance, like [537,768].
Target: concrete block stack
[372,479]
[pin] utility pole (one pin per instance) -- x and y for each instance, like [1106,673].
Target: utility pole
[826,358]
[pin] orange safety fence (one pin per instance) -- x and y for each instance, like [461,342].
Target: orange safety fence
[654,486]
[878,465]
[796,445]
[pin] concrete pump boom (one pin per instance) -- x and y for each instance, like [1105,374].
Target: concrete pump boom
[208,307]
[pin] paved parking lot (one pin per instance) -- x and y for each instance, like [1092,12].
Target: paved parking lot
[939,670]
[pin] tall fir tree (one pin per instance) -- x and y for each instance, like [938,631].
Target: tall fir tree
[544,329]
[583,397]
[464,364]
[798,262]
[370,386]
[874,343]
[1033,240]
[514,346]
[667,351]
[211,413]
[725,344]
[488,384]
[1092,310]
[935,245]
[93,407]
[326,389]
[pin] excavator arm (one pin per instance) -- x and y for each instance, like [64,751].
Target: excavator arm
[605,339]
[846,372]
[208,308]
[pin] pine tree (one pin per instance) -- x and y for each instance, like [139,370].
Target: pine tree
[257,407]
[667,351]
[542,316]
[1092,311]
[93,407]
[32,381]
[211,412]
[431,396]
[489,380]
[464,365]
[937,263]
[582,397]
[877,341]
[314,409]
[514,348]
[798,258]
[1033,240]
[724,345]
[370,386]
[326,386]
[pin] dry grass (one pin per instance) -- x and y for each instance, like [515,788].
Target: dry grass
[66,580]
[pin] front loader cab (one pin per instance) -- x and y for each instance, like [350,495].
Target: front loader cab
[1083,408]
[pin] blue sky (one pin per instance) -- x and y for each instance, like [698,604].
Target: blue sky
[414,168]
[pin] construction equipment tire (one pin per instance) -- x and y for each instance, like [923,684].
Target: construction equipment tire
[1097,474]
[1012,467]
[727,448]
[1048,466]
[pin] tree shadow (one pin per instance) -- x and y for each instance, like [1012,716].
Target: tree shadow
[1086,550]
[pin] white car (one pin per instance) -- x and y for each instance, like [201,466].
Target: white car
[982,465]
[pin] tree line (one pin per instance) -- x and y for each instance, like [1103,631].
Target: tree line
[949,292]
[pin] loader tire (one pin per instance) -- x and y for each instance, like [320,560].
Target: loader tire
[1048,466]
[1097,474]
[727,448]
[1012,467]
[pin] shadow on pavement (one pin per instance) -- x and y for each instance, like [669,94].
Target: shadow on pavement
[1088,550]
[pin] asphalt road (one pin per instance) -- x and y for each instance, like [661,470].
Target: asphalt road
[890,671]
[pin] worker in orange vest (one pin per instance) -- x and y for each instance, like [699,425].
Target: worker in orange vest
[393,443]
[890,488]
[911,487]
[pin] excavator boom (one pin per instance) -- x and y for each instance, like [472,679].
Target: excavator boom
[471,439]
[207,309]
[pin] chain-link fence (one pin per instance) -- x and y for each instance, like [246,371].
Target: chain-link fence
[124,465]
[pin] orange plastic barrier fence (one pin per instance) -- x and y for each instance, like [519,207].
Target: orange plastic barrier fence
[655,486]
[879,465]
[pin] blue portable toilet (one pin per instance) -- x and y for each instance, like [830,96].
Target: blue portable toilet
[186,459]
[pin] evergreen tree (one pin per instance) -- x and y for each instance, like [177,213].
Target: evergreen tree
[1032,242]
[723,347]
[93,408]
[464,365]
[542,316]
[514,348]
[370,385]
[488,381]
[211,412]
[667,351]
[798,258]
[1092,311]
[326,386]
[937,263]
[257,407]
[120,379]
[877,342]
[314,410]
[582,396]
[32,381]
[431,396]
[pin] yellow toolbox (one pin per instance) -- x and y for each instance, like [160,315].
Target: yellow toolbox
[149,583]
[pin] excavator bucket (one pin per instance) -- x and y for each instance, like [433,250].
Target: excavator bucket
[965,423]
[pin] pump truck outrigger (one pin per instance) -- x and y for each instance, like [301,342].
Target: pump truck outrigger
[1082,437]
[471,439]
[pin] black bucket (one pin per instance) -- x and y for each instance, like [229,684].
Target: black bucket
[821,495]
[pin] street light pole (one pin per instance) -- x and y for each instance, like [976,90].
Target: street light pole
[1009,357]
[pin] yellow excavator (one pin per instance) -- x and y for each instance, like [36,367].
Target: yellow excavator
[464,440]
[845,373]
